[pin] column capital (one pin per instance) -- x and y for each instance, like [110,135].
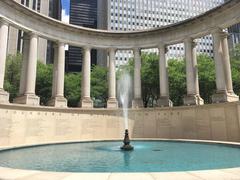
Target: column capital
[31,35]
[112,49]
[220,32]
[224,34]
[136,49]
[190,41]
[87,48]
[59,43]
[3,22]
[163,47]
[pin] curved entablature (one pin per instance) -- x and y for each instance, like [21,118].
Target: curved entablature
[28,20]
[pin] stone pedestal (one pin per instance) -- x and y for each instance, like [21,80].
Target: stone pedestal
[193,100]
[221,97]
[86,103]
[164,102]
[28,99]
[112,103]
[60,102]
[137,103]
[4,97]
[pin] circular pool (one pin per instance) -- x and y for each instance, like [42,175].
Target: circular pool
[148,156]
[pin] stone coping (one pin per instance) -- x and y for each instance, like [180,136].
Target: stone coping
[217,174]
[11,106]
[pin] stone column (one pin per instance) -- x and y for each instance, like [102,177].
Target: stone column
[227,70]
[112,100]
[58,99]
[29,97]
[4,96]
[224,92]
[137,101]
[26,41]
[163,78]
[86,101]
[193,96]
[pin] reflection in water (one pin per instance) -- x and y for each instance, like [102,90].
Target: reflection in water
[126,158]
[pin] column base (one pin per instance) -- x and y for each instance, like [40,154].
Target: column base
[112,103]
[193,100]
[60,102]
[164,101]
[137,103]
[4,97]
[28,99]
[221,97]
[86,103]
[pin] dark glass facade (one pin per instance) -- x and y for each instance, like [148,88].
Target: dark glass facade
[234,38]
[234,34]
[82,13]
[55,11]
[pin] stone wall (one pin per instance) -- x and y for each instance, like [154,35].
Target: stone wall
[21,125]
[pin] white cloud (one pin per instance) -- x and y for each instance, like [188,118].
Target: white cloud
[65,16]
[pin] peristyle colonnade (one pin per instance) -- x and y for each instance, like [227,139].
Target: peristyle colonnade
[224,91]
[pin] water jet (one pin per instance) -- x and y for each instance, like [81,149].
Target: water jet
[124,89]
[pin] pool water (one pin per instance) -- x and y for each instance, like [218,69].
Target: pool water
[148,156]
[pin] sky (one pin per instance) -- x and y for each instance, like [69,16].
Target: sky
[65,10]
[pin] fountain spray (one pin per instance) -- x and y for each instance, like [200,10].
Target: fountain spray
[124,88]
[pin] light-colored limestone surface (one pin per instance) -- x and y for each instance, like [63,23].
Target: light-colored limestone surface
[23,126]
[221,174]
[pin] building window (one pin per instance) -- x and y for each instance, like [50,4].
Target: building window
[27,3]
[34,5]
[39,5]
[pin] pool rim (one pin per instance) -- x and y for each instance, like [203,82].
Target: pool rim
[11,173]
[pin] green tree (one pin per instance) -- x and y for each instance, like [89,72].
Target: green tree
[72,88]
[99,84]
[12,75]
[150,78]
[235,53]
[235,66]
[44,82]
[177,81]
[206,75]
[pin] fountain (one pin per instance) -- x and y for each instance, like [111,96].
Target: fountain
[124,88]
[126,142]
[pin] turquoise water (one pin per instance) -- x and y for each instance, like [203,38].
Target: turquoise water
[148,156]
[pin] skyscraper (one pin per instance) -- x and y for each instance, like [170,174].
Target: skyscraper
[234,35]
[50,8]
[55,11]
[87,14]
[131,15]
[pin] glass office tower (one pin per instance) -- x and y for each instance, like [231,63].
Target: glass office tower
[91,14]
[131,15]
